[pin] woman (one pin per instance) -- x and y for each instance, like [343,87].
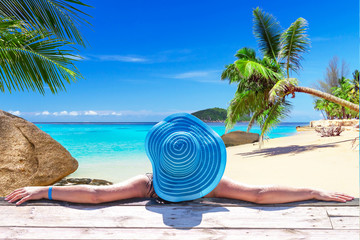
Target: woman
[174,144]
[141,186]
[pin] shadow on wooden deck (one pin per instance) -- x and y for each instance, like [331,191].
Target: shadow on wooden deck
[199,219]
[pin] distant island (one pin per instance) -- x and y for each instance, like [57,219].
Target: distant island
[215,115]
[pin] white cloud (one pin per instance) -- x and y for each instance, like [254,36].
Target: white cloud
[152,113]
[74,113]
[121,58]
[62,113]
[17,113]
[90,113]
[194,74]
[174,55]
[104,113]
[116,114]
[206,76]
[45,113]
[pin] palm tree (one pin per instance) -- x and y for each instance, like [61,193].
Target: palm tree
[288,86]
[37,44]
[282,52]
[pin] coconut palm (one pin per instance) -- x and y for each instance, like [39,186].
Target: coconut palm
[37,44]
[255,77]
[346,89]
[290,85]
[282,52]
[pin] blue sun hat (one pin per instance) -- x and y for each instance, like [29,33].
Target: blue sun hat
[188,158]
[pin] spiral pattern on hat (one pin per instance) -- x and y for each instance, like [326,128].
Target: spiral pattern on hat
[187,156]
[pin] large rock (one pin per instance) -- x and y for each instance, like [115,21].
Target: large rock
[29,156]
[239,137]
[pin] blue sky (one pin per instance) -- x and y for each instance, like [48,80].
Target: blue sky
[148,59]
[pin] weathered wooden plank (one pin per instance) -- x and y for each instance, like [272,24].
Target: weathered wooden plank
[343,211]
[136,233]
[345,222]
[202,201]
[165,217]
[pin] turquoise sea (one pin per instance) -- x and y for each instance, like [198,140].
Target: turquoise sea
[115,151]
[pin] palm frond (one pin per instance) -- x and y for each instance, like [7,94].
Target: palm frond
[282,88]
[246,53]
[60,17]
[231,73]
[250,68]
[243,104]
[31,60]
[9,25]
[273,116]
[294,42]
[267,31]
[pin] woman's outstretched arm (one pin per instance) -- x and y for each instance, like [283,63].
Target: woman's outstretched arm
[134,187]
[228,188]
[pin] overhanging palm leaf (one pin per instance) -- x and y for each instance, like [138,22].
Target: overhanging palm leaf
[60,17]
[272,116]
[282,88]
[9,25]
[29,60]
[243,103]
[251,68]
[231,73]
[267,31]
[294,42]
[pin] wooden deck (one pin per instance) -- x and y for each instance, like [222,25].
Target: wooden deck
[200,219]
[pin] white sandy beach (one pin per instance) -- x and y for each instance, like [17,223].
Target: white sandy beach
[303,160]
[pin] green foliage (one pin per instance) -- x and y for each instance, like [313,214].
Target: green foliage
[60,17]
[282,52]
[244,103]
[30,59]
[348,90]
[294,42]
[282,88]
[274,114]
[37,39]
[267,31]
[214,114]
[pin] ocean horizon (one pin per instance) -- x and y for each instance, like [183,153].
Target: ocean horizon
[152,122]
[115,151]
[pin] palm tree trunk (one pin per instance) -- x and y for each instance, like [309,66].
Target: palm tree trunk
[253,119]
[328,97]
[322,112]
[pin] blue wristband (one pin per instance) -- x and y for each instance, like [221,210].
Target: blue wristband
[49,193]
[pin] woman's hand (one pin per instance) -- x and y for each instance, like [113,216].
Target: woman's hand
[331,196]
[26,194]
